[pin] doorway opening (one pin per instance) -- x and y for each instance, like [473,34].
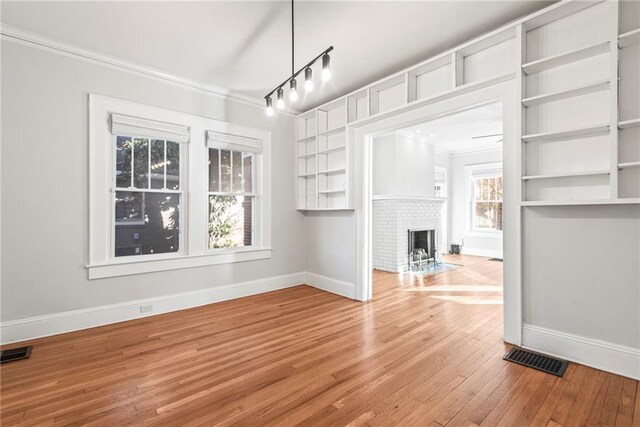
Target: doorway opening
[437,210]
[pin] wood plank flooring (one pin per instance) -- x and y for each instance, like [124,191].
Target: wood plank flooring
[426,351]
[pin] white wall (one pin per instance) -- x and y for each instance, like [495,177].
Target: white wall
[474,243]
[402,166]
[582,271]
[45,186]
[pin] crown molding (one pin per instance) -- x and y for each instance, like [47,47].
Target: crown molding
[23,37]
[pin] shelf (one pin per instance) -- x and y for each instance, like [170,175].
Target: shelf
[331,191]
[566,175]
[556,96]
[629,201]
[306,156]
[307,139]
[565,58]
[307,175]
[332,171]
[628,123]
[629,38]
[567,134]
[332,150]
[626,165]
[333,131]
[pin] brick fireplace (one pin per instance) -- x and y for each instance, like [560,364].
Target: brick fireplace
[393,218]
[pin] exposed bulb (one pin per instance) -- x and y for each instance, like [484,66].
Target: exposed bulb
[308,80]
[269,111]
[326,74]
[326,67]
[269,106]
[293,90]
[280,101]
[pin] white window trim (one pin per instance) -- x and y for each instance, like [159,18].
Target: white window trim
[469,171]
[194,206]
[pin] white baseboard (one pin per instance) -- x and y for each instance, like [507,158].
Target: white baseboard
[42,326]
[328,284]
[598,354]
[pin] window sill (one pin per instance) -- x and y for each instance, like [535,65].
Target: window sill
[128,267]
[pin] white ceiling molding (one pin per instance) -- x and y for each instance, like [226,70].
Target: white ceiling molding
[20,36]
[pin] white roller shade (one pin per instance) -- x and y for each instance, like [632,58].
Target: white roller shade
[226,141]
[486,173]
[136,126]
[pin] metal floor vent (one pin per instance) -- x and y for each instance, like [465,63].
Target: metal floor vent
[537,361]
[495,259]
[19,353]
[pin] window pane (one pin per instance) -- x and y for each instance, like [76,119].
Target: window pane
[237,171]
[123,161]
[173,165]
[488,215]
[214,171]
[157,163]
[141,162]
[129,206]
[225,160]
[146,223]
[248,175]
[230,221]
[499,188]
[477,189]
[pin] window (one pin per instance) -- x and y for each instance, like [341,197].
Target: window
[147,197]
[486,212]
[231,197]
[171,190]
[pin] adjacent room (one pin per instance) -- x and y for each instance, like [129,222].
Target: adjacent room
[349,213]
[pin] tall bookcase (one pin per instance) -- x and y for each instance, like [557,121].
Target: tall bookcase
[579,94]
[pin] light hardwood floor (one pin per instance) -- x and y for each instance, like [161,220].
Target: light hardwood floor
[426,351]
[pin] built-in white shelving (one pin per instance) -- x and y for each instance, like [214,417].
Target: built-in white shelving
[627,201]
[567,134]
[570,90]
[563,94]
[626,165]
[566,175]
[628,123]
[629,38]
[565,58]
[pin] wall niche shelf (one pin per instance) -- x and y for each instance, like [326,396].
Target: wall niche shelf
[564,94]
[628,123]
[565,58]
[628,201]
[629,38]
[627,165]
[567,134]
[566,175]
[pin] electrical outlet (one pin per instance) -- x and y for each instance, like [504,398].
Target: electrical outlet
[146,308]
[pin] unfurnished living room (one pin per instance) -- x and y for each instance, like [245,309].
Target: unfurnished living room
[306,212]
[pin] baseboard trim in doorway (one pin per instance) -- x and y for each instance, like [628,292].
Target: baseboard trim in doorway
[598,354]
[329,284]
[75,320]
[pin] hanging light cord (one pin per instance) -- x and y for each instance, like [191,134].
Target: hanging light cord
[293,40]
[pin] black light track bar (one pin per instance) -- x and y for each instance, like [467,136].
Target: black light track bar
[294,75]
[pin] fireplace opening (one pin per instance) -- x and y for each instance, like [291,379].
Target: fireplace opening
[422,249]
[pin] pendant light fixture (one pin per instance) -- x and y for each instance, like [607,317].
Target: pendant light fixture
[308,75]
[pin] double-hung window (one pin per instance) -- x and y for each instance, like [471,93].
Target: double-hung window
[146,186]
[486,201]
[231,197]
[171,190]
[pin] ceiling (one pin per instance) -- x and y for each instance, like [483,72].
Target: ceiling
[245,46]
[454,134]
